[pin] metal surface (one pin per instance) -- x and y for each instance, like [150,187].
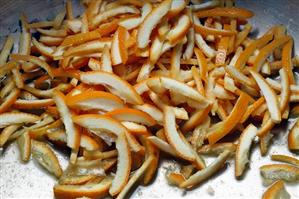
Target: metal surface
[19,180]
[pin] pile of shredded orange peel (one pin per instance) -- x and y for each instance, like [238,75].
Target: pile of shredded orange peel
[128,80]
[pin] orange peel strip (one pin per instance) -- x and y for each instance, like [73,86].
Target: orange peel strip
[81,38]
[203,30]
[150,22]
[231,121]
[91,100]
[9,100]
[285,158]
[132,115]
[267,50]
[244,56]
[286,59]
[73,136]
[181,147]
[226,12]
[114,83]
[34,60]
[276,190]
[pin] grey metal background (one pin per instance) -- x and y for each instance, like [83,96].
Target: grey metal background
[18,180]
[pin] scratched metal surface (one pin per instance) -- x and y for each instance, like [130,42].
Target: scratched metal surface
[18,180]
